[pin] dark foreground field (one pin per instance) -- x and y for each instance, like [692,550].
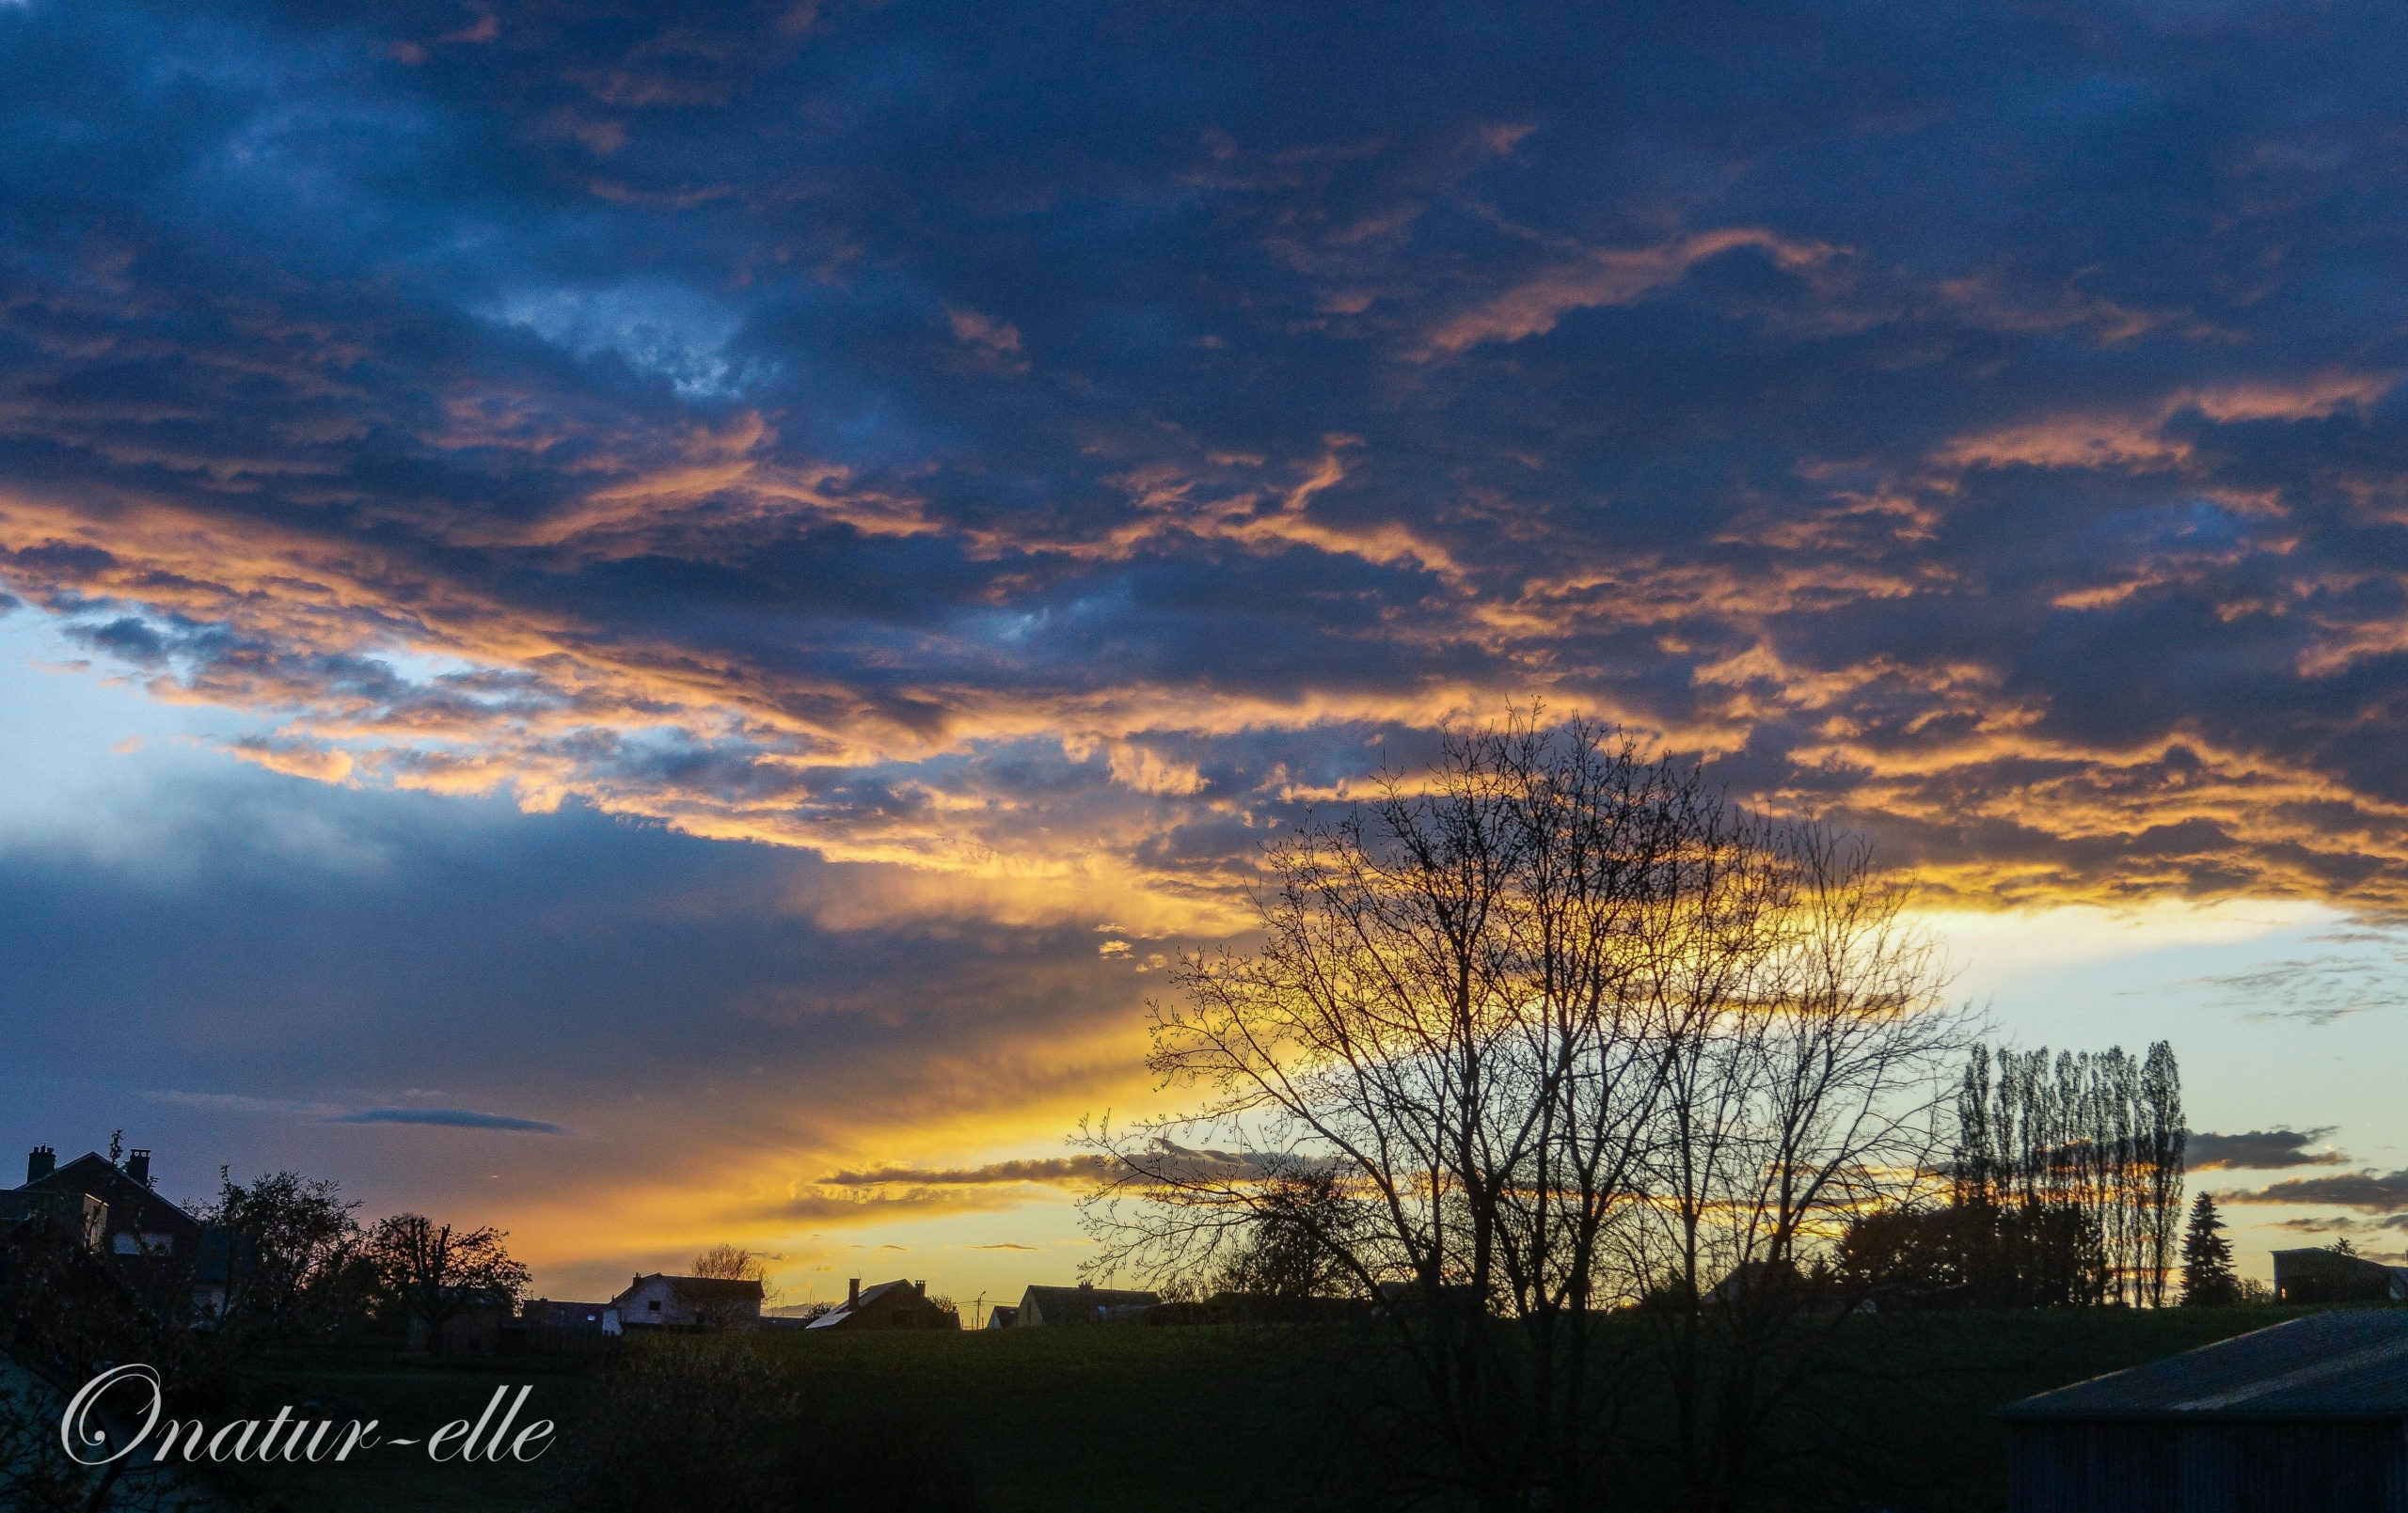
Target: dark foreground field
[1188,1420]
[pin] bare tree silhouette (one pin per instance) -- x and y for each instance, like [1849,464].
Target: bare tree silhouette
[433,1272]
[1567,1030]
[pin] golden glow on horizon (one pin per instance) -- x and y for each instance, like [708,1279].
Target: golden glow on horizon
[975,1127]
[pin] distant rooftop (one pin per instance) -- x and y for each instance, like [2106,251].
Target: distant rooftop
[2350,1364]
[716,1289]
[1090,1297]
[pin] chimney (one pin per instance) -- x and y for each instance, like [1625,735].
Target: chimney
[1086,1287]
[138,1166]
[921,1287]
[40,1163]
[852,1292]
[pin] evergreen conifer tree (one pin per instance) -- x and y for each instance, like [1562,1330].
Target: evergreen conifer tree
[2208,1278]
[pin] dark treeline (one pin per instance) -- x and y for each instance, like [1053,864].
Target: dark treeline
[2066,1187]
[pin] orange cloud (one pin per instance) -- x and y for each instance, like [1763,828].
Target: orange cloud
[2137,439]
[1607,275]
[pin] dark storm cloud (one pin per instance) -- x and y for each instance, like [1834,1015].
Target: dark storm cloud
[931,432]
[2259,1150]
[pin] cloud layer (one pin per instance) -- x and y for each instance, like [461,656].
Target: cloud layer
[451,1119]
[2366,1191]
[1039,473]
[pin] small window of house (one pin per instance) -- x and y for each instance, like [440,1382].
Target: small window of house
[126,1244]
[158,1244]
[652,1307]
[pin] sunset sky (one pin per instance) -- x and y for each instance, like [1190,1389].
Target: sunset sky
[647,623]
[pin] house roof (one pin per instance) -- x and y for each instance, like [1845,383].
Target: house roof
[545,1310]
[1068,1301]
[870,1294]
[705,1289]
[717,1289]
[95,1173]
[2348,1364]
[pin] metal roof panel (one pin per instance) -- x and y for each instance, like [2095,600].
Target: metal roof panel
[2344,1365]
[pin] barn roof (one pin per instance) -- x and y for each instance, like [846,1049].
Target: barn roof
[2351,1365]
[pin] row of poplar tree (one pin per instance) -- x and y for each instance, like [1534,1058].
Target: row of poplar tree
[2065,1188]
[2067,1177]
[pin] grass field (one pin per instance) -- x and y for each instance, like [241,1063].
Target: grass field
[409,1396]
[1228,1420]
